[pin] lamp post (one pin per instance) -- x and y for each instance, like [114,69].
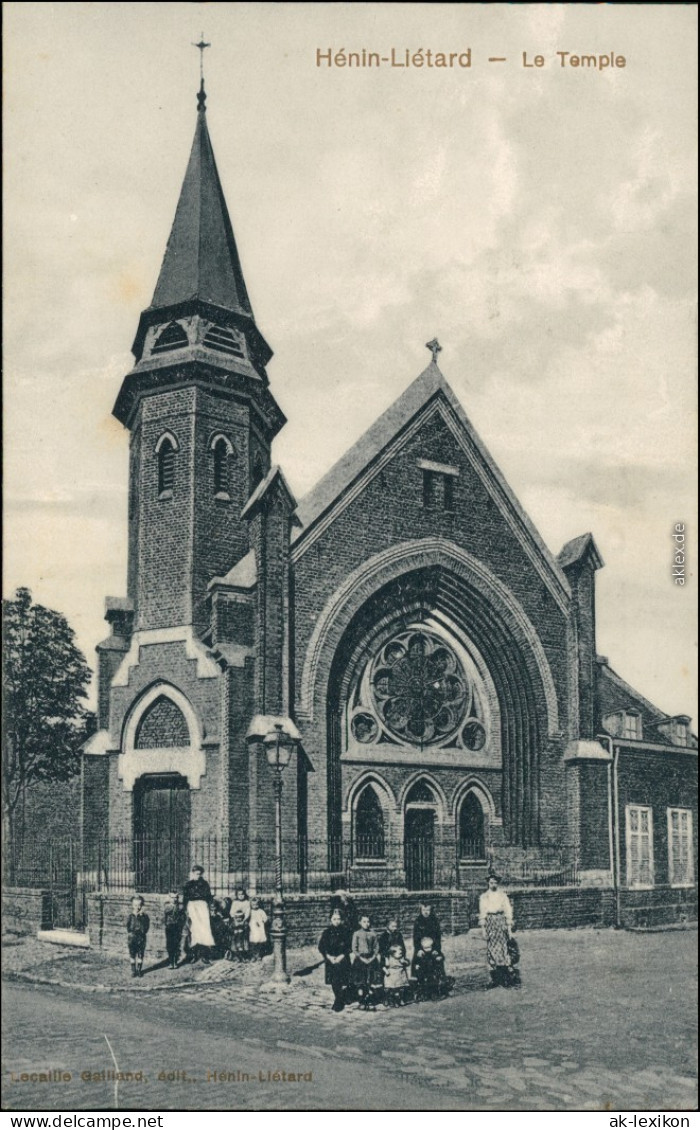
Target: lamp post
[278,748]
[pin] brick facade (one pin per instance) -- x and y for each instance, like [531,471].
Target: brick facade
[242,604]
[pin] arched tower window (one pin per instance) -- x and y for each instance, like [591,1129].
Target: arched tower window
[172,337]
[369,825]
[472,841]
[222,450]
[165,452]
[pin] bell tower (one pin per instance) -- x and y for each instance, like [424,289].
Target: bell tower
[198,407]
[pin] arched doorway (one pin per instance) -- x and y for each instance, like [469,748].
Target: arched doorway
[419,837]
[471,829]
[161,832]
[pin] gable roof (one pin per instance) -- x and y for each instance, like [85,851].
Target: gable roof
[201,259]
[615,693]
[242,575]
[577,549]
[429,387]
[274,475]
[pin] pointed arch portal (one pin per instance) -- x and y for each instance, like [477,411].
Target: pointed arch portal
[513,663]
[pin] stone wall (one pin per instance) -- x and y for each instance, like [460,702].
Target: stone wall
[25,910]
[307,915]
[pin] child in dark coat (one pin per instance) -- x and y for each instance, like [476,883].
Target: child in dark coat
[137,926]
[429,971]
[392,936]
[174,918]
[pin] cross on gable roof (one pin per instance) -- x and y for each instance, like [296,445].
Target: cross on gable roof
[430,389]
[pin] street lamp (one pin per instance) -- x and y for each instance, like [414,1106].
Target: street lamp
[279,747]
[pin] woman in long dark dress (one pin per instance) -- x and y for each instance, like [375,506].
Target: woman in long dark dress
[334,946]
[196,902]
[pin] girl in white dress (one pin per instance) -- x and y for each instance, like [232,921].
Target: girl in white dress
[257,929]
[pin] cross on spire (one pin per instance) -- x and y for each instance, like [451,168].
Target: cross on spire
[434,347]
[201,46]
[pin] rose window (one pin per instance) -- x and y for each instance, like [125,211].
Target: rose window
[420,689]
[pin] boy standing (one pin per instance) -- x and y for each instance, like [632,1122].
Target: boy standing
[174,918]
[365,958]
[137,926]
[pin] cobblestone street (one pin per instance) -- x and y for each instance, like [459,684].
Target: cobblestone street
[603,1020]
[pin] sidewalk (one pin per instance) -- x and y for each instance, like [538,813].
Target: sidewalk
[90,970]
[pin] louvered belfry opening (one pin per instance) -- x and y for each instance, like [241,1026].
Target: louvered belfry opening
[166,467]
[172,337]
[224,340]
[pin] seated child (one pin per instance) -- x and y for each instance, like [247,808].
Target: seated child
[392,936]
[137,926]
[396,985]
[174,919]
[429,971]
[364,954]
[257,930]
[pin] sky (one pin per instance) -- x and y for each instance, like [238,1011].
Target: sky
[539,220]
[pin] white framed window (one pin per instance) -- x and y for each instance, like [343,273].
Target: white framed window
[640,846]
[631,725]
[681,733]
[680,847]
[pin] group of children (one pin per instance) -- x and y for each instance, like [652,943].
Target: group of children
[239,926]
[238,930]
[371,966]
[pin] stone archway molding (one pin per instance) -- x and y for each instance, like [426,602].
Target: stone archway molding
[483,794]
[189,761]
[383,789]
[441,806]
[405,557]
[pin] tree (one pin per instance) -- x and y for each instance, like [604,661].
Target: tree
[44,681]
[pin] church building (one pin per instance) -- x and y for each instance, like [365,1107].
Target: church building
[403,630]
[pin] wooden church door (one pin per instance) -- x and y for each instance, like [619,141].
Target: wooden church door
[161,833]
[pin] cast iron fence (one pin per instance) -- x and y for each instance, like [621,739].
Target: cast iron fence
[71,869]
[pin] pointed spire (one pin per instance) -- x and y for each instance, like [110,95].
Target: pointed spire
[201,260]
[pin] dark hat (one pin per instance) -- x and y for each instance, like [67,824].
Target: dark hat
[491,874]
[197,867]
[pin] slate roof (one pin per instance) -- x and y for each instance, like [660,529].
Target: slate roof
[243,575]
[615,694]
[201,260]
[429,384]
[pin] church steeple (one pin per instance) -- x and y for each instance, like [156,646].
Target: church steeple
[199,408]
[201,259]
[200,310]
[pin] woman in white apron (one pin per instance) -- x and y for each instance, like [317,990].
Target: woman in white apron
[196,901]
